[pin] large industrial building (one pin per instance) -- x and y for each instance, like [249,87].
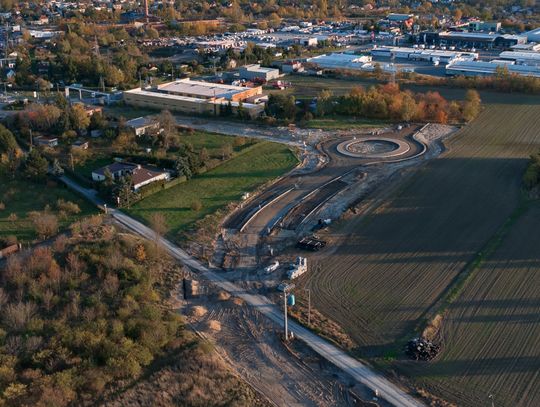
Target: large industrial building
[521,58]
[196,97]
[419,54]
[481,68]
[472,39]
[340,61]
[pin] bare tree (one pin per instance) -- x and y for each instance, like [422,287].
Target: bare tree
[4,297]
[158,223]
[47,299]
[16,316]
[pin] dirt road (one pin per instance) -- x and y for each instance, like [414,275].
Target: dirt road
[356,369]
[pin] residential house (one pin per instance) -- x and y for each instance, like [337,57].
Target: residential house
[46,141]
[143,125]
[80,145]
[140,175]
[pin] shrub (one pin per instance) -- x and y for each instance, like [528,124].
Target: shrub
[68,207]
[45,225]
[196,205]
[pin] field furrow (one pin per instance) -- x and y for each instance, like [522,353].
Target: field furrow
[492,331]
[391,266]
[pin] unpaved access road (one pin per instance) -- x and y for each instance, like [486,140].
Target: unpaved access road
[357,370]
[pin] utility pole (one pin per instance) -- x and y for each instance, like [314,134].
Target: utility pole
[6,48]
[215,105]
[309,306]
[285,315]
[492,400]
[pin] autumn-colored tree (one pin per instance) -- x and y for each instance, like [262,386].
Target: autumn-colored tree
[471,106]
[79,117]
[140,253]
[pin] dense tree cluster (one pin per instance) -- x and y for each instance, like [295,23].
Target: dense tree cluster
[389,102]
[13,162]
[385,102]
[80,316]
[59,118]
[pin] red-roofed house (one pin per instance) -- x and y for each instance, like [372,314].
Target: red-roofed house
[140,175]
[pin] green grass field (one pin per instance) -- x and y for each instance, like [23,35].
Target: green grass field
[216,188]
[211,141]
[21,197]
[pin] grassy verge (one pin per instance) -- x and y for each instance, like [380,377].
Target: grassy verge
[216,188]
[344,123]
[21,197]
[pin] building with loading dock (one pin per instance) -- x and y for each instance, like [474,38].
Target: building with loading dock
[195,97]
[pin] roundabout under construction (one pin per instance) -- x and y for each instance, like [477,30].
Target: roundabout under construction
[294,201]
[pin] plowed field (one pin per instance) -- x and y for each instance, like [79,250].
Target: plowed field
[492,331]
[386,269]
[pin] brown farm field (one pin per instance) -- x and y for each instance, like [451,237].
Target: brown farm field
[491,334]
[386,270]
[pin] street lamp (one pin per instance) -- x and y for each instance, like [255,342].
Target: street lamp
[286,291]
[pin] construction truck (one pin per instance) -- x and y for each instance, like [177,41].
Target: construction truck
[297,268]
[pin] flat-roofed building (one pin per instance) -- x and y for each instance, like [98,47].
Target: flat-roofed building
[256,72]
[143,125]
[521,57]
[472,39]
[340,61]
[207,90]
[195,97]
[481,68]
[419,54]
[489,26]
[530,46]
[399,17]
[533,35]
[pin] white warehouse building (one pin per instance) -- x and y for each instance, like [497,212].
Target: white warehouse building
[521,57]
[340,61]
[255,71]
[419,54]
[534,35]
[480,68]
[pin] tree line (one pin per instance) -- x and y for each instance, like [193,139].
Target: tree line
[384,102]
